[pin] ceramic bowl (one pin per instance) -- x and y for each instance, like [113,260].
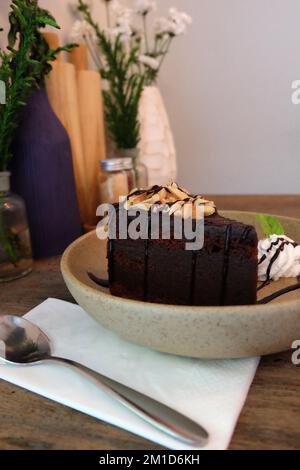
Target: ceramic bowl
[200,332]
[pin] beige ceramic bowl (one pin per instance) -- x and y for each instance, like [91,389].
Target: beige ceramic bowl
[200,332]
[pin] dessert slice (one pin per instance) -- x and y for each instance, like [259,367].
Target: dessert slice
[223,272]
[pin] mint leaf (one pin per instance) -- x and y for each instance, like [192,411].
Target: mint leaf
[270,225]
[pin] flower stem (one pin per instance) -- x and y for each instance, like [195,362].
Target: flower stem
[164,54]
[94,55]
[107,13]
[163,51]
[146,32]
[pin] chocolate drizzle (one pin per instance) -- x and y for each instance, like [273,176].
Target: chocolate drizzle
[111,260]
[98,281]
[150,192]
[155,190]
[278,294]
[246,233]
[274,258]
[262,259]
[193,277]
[147,243]
[226,263]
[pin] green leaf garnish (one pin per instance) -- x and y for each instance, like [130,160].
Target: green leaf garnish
[270,225]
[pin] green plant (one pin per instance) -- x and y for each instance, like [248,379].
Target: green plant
[23,66]
[126,58]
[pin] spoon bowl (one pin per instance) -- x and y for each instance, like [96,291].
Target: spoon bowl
[23,342]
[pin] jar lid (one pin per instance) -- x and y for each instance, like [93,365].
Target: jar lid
[117,164]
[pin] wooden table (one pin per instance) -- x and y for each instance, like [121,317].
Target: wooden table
[270,419]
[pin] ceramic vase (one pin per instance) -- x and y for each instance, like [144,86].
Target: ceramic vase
[157,148]
[42,174]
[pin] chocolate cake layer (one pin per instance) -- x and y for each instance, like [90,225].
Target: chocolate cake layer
[223,272]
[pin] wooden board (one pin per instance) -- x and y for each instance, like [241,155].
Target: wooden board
[61,87]
[93,138]
[79,57]
[53,42]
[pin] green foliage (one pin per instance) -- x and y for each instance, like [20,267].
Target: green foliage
[122,98]
[270,225]
[119,62]
[23,66]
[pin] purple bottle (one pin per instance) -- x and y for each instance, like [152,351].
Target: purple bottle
[42,173]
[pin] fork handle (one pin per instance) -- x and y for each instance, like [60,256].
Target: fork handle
[153,412]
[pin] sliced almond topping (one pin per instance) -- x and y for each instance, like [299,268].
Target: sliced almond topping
[179,201]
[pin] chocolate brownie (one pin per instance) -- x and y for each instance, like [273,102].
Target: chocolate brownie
[223,272]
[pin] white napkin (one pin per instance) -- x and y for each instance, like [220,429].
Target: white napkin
[210,392]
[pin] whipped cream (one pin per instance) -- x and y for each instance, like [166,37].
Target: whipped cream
[172,199]
[279,256]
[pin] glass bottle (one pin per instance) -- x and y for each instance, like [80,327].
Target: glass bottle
[117,179]
[15,246]
[141,172]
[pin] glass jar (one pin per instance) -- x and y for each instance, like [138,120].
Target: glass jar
[117,179]
[141,172]
[15,246]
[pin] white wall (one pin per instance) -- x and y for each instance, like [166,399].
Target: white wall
[227,86]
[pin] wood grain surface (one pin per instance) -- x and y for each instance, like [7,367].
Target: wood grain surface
[270,418]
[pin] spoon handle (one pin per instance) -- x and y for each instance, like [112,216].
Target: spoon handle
[157,414]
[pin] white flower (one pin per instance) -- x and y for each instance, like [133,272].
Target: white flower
[117,8]
[82,30]
[163,26]
[123,30]
[143,7]
[122,14]
[174,25]
[124,21]
[151,62]
[180,19]
[126,18]
[180,16]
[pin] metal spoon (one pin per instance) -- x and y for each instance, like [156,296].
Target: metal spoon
[25,344]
